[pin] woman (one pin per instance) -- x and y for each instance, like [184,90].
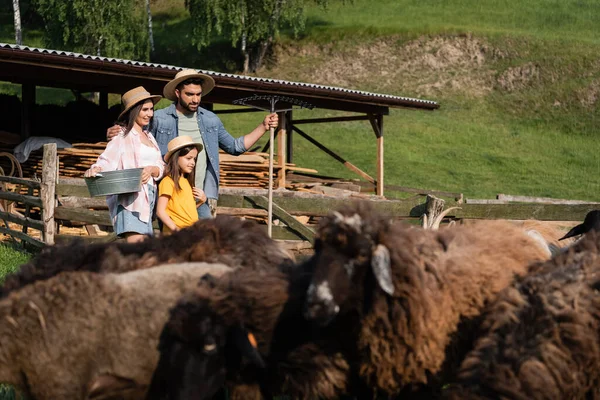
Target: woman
[131,213]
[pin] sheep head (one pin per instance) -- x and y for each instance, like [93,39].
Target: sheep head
[347,247]
[196,346]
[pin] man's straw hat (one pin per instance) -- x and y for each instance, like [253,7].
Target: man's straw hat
[207,85]
[134,96]
[178,143]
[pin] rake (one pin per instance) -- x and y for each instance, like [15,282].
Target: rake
[269,103]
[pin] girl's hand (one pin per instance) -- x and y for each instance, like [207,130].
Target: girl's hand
[199,195]
[92,172]
[147,174]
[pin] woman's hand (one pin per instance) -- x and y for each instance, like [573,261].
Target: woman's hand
[92,172]
[147,173]
[199,195]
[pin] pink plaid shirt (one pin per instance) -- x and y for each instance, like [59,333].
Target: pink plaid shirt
[122,152]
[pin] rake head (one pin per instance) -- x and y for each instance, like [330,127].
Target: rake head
[272,103]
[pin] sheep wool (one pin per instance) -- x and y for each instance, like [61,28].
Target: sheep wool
[82,335]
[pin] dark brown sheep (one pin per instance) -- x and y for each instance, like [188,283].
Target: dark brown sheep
[225,239]
[83,335]
[540,339]
[411,289]
[205,343]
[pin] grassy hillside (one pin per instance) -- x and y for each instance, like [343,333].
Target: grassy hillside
[518,83]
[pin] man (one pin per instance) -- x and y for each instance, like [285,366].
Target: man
[186,117]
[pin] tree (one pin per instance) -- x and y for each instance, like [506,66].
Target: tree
[109,28]
[250,24]
[150,35]
[17,17]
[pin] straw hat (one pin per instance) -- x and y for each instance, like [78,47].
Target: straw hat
[208,83]
[134,96]
[178,143]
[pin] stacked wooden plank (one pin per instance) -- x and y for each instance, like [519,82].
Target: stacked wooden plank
[247,170]
[73,161]
[250,170]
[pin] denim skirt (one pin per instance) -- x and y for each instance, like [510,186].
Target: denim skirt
[129,222]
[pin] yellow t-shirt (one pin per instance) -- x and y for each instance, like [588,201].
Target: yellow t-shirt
[182,205]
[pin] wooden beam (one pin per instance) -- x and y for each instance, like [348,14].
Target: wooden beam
[98,203]
[288,219]
[21,198]
[20,235]
[48,190]
[332,119]
[520,211]
[290,137]
[103,101]
[281,150]
[100,217]
[347,164]
[20,181]
[27,108]
[546,200]
[23,221]
[319,205]
[377,124]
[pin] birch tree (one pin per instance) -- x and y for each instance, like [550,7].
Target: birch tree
[251,25]
[109,28]
[17,17]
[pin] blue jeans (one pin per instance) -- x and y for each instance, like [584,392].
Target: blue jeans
[205,211]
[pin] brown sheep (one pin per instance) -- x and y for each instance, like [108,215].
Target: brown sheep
[83,335]
[205,343]
[225,239]
[410,290]
[540,339]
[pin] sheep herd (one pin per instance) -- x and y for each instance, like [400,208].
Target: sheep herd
[381,310]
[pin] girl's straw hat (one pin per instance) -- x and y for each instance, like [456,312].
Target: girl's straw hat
[134,96]
[207,85]
[178,143]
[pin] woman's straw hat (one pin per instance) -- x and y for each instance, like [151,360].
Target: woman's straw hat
[207,85]
[134,96]
[178,143]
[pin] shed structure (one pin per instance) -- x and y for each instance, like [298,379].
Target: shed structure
[31,67]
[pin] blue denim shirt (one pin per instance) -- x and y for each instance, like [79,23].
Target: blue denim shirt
[214,135]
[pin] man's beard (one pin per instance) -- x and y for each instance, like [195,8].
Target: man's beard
[186,106]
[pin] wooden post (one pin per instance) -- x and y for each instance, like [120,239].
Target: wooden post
[281,150]
[290,137]
[48,190]
[27,108]
[103,101]
[377,124]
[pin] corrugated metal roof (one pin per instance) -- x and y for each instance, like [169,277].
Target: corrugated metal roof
[386,99]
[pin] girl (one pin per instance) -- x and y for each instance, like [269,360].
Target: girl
[134,147]
[178,198]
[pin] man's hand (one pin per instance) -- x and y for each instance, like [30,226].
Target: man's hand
[112,132]
[92,172]
[199,195]
[271,121]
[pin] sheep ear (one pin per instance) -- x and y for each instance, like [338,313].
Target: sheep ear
[246,343]
[380,262]
[108,385]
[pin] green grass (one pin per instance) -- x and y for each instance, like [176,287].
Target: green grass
[11,257]
[544,19]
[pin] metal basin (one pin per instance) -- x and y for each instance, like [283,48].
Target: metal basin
[115,182]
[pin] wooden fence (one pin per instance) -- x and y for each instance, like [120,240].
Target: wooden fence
[40,196]
[68,200]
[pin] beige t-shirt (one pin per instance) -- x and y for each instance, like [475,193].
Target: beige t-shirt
[188,125]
